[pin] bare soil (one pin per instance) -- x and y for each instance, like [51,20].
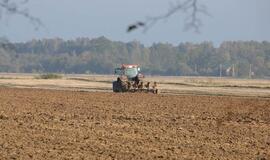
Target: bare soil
[49,124]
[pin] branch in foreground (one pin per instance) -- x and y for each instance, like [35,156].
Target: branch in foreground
[189,7]
[13,8]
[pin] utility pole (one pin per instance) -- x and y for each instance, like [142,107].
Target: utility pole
[220,70]
[250,71]
[233,72]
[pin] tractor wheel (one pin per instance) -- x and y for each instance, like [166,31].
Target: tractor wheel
[120,86]
[124,86]
[115,86]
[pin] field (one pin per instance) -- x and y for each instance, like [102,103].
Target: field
[167,85]
[48,124]
[70,118]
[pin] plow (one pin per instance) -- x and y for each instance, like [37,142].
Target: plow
[130,79]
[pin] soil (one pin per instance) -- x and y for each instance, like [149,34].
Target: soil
[49,124]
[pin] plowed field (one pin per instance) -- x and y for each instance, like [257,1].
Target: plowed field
[48,124]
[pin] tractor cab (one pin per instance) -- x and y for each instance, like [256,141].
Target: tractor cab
[129,70]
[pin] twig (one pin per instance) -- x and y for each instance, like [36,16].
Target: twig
[12,8]
[192,22]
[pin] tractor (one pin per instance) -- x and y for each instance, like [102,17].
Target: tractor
[130,79]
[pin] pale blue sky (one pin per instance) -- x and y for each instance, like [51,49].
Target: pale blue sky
[69,19]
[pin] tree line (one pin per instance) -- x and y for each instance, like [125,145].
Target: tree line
[101,56]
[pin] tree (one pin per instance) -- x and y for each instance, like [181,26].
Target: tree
[15,8]
[191,8]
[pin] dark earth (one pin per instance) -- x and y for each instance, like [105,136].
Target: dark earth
[50,124]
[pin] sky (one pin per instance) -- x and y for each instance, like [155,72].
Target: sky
[230,20]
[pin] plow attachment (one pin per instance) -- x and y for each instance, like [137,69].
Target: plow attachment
[127,86]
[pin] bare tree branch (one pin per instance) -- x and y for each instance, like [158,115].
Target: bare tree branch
[9,7]
[189,7]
